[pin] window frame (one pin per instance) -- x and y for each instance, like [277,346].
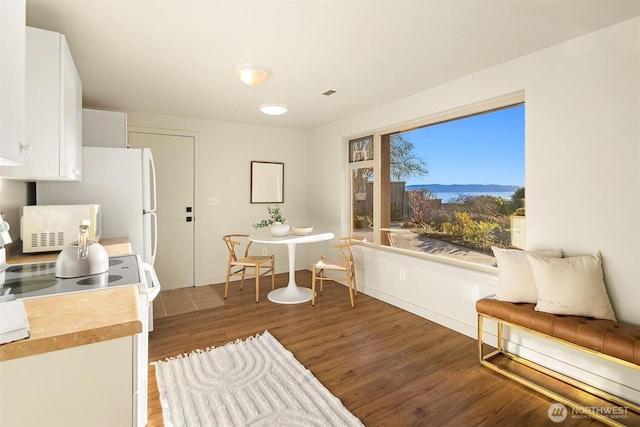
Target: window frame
[353,165]
[378,166]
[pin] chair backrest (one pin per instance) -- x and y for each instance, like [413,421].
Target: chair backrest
[352,240]
[349,241]
[345,248]
[238,245]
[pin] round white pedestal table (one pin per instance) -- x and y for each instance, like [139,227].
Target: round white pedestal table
[292,294]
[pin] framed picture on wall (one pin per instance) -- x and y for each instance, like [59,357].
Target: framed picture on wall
[267,182]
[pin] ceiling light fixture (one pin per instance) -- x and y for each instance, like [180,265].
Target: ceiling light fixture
[253,75]
[274,109]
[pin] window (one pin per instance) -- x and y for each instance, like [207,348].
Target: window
[449,186]
[362,192]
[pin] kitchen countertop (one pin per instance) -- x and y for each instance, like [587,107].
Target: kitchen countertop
[114,247]
[71,320]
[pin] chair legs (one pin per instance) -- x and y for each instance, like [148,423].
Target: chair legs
[313,283]
[273,277]
[242,273]
[319,276]
[355,284]
[226,285]
[257,270]
[351,283]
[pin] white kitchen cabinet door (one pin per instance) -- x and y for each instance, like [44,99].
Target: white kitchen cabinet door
[12,81]
[101,128]
[89,385]
[53,111]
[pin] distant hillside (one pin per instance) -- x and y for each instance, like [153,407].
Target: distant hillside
[465,188]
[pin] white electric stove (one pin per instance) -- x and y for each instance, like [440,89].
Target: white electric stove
[39,279]
[35,280]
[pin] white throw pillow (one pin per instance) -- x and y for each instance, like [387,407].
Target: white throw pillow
[571,286]
[515,279]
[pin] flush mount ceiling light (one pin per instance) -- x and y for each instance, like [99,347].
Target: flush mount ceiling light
[252,74]
[274,109]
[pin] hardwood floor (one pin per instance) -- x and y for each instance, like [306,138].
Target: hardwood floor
[387,366]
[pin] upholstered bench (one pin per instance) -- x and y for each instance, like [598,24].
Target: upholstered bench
[608,339]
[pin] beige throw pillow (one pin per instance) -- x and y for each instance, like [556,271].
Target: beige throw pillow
[515,279]
[571,286]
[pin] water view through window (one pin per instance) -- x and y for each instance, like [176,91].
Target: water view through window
[452,189]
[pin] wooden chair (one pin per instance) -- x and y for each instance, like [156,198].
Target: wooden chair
[343,264]
[261,265]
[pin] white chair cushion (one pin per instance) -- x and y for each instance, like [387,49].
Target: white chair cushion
[331,263]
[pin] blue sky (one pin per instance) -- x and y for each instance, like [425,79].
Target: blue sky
[484,149]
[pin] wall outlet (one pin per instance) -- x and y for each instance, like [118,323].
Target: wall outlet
[214,201]
[403,274]
[264,251]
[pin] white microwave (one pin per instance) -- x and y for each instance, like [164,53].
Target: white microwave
[46,228]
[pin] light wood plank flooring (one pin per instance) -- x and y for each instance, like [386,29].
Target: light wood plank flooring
[387,366]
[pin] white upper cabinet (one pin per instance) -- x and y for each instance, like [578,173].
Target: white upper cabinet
[53,111]
[12,81]
[102,128]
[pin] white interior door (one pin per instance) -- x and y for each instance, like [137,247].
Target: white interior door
[174,160]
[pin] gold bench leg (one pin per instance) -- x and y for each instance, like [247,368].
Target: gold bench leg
[485,360]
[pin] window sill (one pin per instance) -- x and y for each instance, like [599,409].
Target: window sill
[434,258]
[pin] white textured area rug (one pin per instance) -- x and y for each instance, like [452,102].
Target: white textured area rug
[256,382]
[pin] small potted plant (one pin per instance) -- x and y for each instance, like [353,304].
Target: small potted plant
[276,222]
[360,221]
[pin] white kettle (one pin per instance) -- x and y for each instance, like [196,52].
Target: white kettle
[82,258]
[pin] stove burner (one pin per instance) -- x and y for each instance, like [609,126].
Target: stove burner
[19,286]
[99,280]
[32,268]
[38,279]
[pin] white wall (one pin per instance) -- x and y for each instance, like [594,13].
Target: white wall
[582,180]
[14,195]
[582,172]
[222,168]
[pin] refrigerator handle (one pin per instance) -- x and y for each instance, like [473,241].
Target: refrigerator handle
[154,236]
[152,195]
[153,288]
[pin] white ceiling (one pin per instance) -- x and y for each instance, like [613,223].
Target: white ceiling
[178,57]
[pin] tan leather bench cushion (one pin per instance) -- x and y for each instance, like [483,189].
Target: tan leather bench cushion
[604,336]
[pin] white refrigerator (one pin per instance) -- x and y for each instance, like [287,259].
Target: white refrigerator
[122,181]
